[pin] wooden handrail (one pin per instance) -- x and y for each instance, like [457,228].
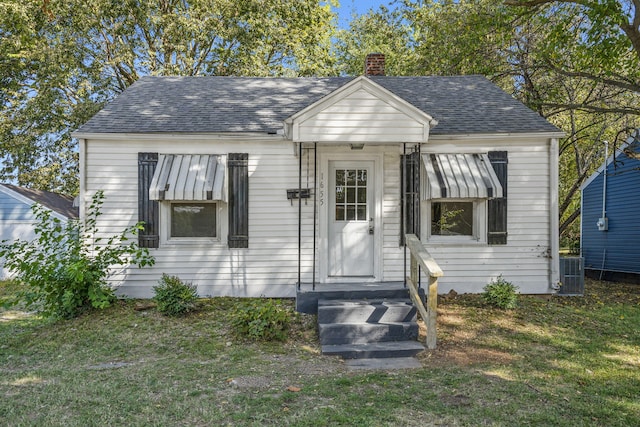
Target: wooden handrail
[421,257]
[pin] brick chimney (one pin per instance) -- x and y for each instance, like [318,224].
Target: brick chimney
[374,64]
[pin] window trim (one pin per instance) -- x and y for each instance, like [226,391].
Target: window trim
[165,221]
[480,219]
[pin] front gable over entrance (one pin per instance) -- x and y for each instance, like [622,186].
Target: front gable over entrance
[361,111]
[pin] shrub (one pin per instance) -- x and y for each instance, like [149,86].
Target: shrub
[262,319]
[66,267]
[175,297]
[501,293]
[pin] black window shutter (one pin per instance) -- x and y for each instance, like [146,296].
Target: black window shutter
[148,210]
[238,168]
[410,195]
[497,208]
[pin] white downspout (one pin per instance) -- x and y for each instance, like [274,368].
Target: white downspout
[554,220]
[602,223]
[82,144]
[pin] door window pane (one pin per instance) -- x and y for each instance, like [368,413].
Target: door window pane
[452,218]
[193,220]
[339,194]
[351,213]
[351,194]
[351,176]
[362,177]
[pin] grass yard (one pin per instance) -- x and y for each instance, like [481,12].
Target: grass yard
[559,361]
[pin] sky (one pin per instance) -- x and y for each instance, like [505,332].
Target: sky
[359,7]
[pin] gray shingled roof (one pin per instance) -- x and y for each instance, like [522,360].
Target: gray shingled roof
[59,203]
[461,104]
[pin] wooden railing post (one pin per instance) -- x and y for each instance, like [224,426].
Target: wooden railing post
[432,308]
[414,274]
[420,258]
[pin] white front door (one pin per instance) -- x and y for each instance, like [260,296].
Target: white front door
[351,223]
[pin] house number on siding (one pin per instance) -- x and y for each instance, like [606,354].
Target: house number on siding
[321,189]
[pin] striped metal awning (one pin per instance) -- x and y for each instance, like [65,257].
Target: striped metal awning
[459,176]
[188,177]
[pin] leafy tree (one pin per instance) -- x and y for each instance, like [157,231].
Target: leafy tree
[597,40]
[65,267]
[591,53]
[45,90]
[431,38]
[62,60]
[382,31]
[206,37]
[462,37]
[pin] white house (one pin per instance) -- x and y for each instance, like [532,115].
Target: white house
[215,166]
[17,220]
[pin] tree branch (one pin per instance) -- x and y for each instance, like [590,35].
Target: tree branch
[570,219]
[632,29]
[589,108]
[627,85]
[532,3]
[574,188]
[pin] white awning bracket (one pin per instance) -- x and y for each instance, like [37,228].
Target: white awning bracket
[188,177]
[459,176]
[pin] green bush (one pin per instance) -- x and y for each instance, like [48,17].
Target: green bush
[66,267]
[175,297]
[500,293]
[262,319]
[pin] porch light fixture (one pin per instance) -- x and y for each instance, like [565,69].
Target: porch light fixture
[357,146]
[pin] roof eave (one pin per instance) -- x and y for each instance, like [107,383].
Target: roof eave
[181,135]
[616,152]
[460,136]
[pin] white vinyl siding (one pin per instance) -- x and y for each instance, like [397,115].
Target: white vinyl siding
[269,266]
[393,254]
[524,260]
[361,117]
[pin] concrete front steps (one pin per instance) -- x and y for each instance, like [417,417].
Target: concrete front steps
[368,329]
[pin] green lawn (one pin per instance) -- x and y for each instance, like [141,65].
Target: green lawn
[561,361]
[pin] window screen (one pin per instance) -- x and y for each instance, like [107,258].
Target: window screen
[193,220]
[452,218]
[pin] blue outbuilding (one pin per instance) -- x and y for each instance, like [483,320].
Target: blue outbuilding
[610,235]
[17,220]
